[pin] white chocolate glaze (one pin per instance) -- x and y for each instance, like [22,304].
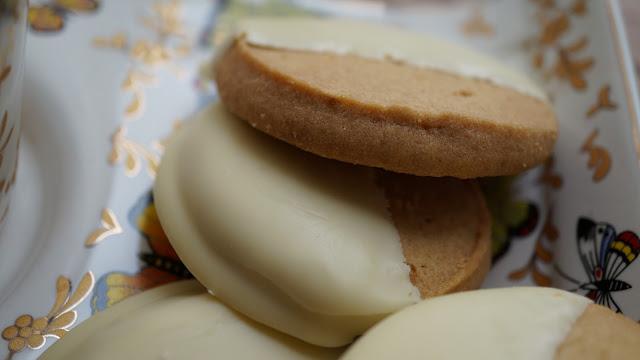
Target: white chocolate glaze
[511,323]
[178,321]
[377,41]
[295,241]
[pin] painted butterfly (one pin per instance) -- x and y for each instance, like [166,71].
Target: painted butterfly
[604,255]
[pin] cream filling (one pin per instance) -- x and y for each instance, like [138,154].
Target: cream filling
[509,323]
[376,41]
[298,242]
[178,321]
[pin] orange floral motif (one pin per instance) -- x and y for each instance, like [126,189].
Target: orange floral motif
[9,135]
[599,157]
[170,43]
[477,25]
[4,74]
[44,18]
[167,21]
[30,332]
[603,102]
[549,177]
[555,23]
[109,226]
[553,29]
[77,5]
[132,153]
[579,7]
[570,68]
[541,253]
[134,82]
[117,41]
[51,17]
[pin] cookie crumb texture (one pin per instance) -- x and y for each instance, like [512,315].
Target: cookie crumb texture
[445,231]
[386,114]
[599,333]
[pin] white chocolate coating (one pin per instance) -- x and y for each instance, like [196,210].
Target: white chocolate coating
[376,41]
[297,242]
[511,323]
[178,321]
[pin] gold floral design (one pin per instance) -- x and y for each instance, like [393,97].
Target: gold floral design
[30,332]
[5,138]
[161,144]
[109,226]
[134,82]
[51,17]
[44,18]
[541,253]
[4,74]
[132,153]
[170,43]
[549,177]
[116,41]
[166,22]
[599,157]
[477,25]
[603,102]
[554,23]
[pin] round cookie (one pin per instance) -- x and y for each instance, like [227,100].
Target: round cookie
[383,97]
[178,321]
[316,248]
[509,323]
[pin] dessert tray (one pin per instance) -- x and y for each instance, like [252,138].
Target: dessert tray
[107,82]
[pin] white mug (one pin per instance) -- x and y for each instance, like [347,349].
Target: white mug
[13,29]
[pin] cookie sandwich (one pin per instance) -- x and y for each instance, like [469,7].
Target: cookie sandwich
[296,200]
[316,248]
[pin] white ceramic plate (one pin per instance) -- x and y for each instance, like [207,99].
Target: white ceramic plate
[105,89]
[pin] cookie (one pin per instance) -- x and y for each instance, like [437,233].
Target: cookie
[510,323]
[316,248]
[178,321]
[383,97]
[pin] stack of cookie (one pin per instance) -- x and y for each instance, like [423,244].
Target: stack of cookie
[334,186]
[348,197]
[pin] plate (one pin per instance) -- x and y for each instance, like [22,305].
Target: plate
[107,82]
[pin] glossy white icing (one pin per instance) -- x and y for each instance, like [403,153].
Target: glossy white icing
[511,323]
[295,241]
[178,321]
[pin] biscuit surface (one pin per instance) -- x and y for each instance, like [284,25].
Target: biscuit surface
[445,231]
[385,114]
[601,334]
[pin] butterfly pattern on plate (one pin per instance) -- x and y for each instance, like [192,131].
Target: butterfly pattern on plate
[161,264]
[51,16]
[605,255]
